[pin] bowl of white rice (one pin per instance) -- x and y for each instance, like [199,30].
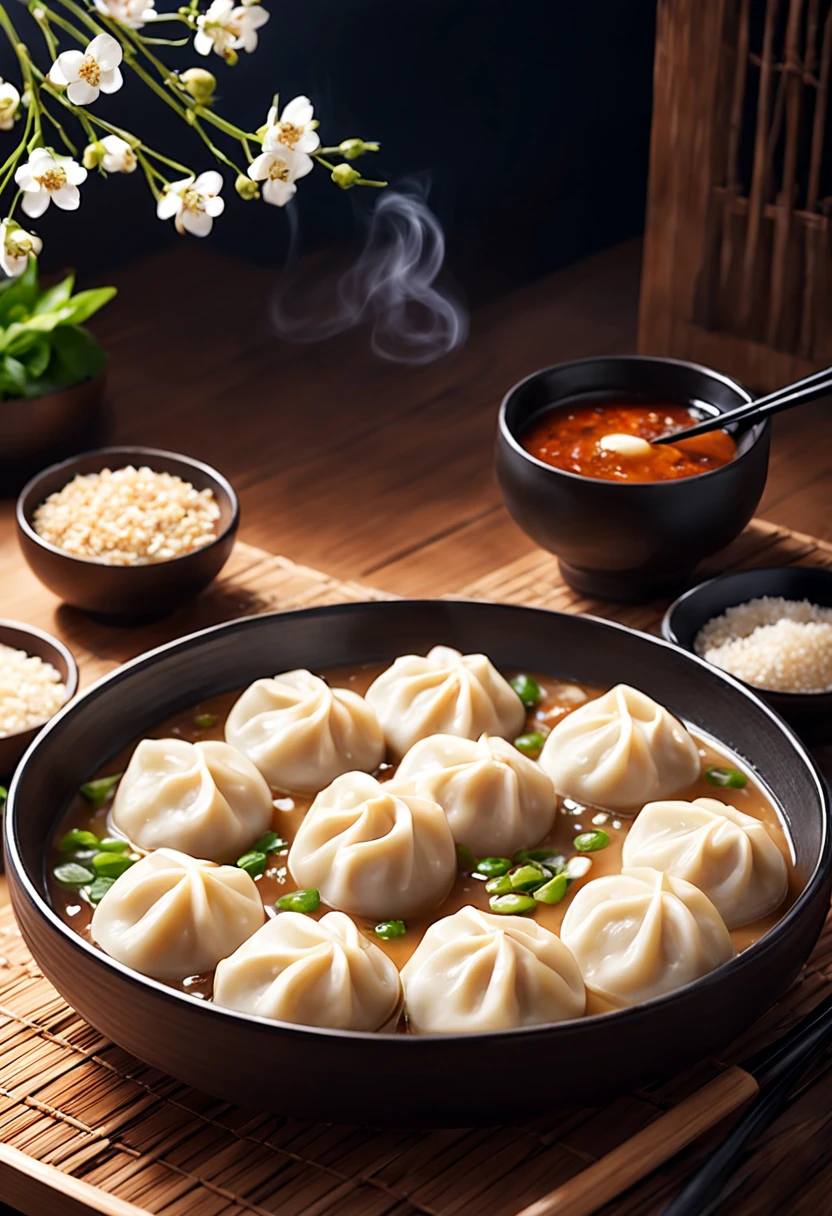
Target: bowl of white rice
[770,628]
[38,675]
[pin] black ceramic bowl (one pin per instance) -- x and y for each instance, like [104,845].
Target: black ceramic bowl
[614,540]
[396,1079]
[127,592]
[36,642]
[809,713]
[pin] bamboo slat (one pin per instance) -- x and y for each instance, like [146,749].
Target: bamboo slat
[86,1128]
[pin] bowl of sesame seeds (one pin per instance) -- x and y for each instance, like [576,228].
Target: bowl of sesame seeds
[38,675]
[127,532]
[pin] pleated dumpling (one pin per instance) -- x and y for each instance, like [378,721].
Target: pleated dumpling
[619,751]
[640,934]
[314,973]
[474,971]
[301,733]
[201,798]
[444,693]
[171,915]
[728,855]
[372,852]
[496,800]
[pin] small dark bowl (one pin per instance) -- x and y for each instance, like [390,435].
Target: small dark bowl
[809,712]
[127,592]
[614,540]
[36,642]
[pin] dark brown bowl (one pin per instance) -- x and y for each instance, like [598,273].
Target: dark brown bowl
[810,713]
[36,642]
[614,540]
[131,593]
[438,1080]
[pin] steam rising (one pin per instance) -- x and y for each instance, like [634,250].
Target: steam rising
[391,286]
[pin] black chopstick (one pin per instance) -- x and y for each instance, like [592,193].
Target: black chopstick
[779,1067]
[790,395]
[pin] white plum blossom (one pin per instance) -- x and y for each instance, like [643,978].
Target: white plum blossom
[9,104]
[49,178]
[15,246]
[279,168]
[193,203]
[294,128]
[226,28]
[134,13]
[118,156]
[90,72]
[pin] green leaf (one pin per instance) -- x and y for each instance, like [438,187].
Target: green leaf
[76,356]
[53,297]
[87,302]
[12,377]
[37,358]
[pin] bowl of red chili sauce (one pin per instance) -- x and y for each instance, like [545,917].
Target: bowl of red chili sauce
[628,520]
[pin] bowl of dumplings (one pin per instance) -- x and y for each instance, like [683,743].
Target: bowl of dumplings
[419,863]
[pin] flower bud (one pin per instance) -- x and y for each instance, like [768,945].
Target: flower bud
[246,188]
[345,177]
[200,83]
[351,149]
[93,155]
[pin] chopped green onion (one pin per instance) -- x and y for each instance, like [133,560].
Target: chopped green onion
[530,745]
[511,905]
[388,929]
[97,792]
[111,865]
[528,876]
[99,888]
[553,891]
[499,886]
[591,842]
[728,778]
[493,867]
[254,863]
[552,861]
[78,839]
[71,874]
[577,867]
[300,901]
[465,859]
[270,843]
[528,690]
[113,844]
[206,721]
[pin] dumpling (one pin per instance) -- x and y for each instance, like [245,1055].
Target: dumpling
[474,971]
[315,973]
[201,798]
[619,751]
[171,915]
[728,855]
[372,852]
[496,800]
[446,693]
[640,934]
[301,733]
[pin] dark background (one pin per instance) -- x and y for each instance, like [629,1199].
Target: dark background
[530,117]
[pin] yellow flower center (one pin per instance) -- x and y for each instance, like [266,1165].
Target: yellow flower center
[52,180]
[279,171]
[289,133]
[89,70]
[192,200]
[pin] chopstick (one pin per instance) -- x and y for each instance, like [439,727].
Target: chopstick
[769,1076]
[785,398]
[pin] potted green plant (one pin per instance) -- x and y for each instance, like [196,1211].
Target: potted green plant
[51,367]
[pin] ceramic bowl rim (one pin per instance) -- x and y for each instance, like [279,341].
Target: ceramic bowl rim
[72,940]
[757,432]
[126,450]
[669,633]
[71,681]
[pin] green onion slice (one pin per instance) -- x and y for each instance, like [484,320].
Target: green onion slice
[389,929]
[727,778]
[77,839]
[528,876]
[111,865]
[493,867]
[591,842]
[114,844]
[465,859]
[530,745]
[270,843]
[98,888]
[528,690]
[71,874]
[300,901]
[500,885]
[577,867]
[553,891]
[546,857]
[206,721]
[254,863]
[97,792]
[511,905]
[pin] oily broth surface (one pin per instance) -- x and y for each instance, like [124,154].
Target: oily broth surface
[559,699]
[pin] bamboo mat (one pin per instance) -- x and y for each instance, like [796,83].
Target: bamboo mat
[86,1128]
